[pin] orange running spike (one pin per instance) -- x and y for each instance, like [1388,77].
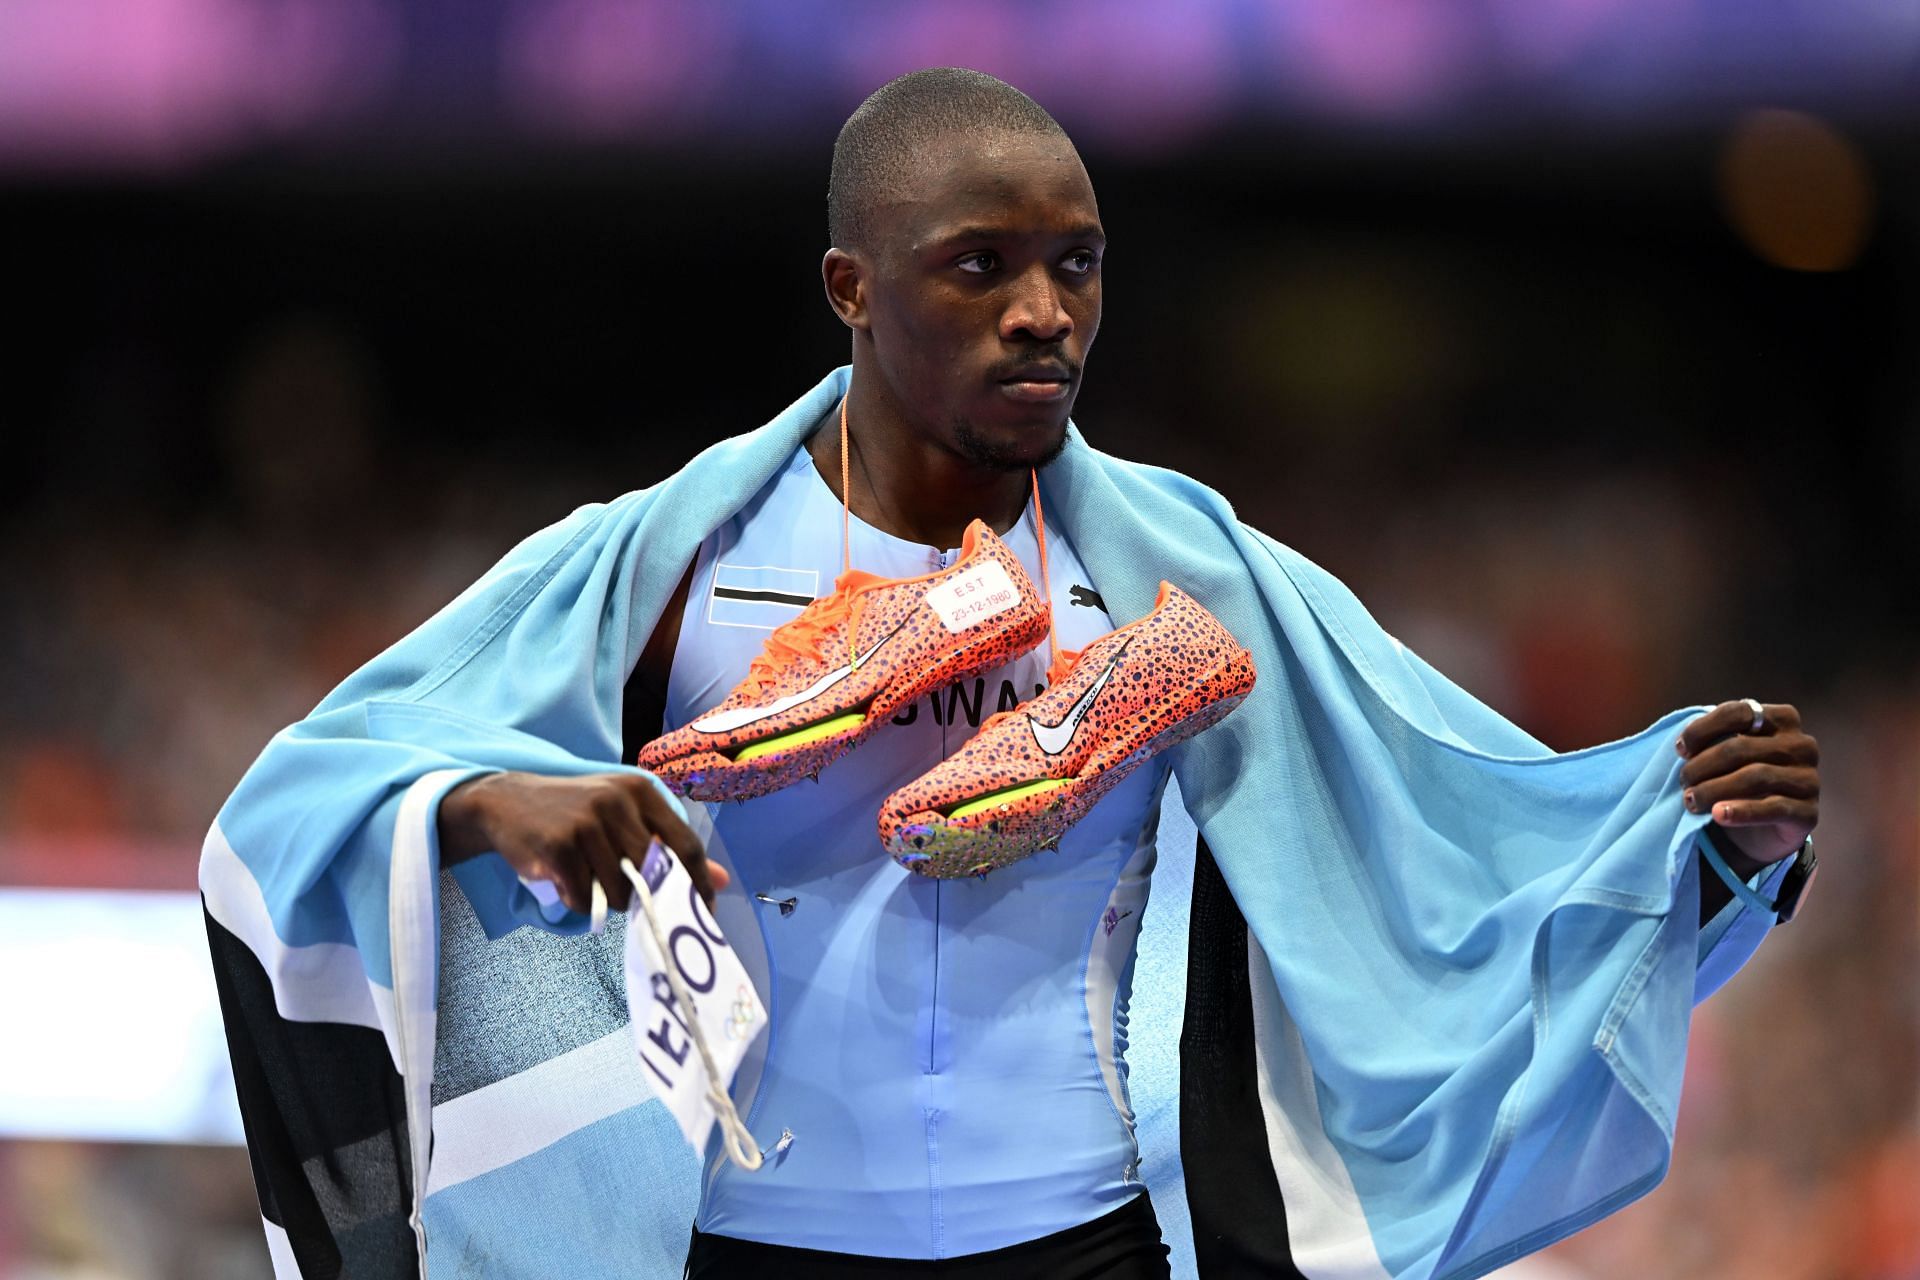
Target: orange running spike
[826,680]
[1034,771]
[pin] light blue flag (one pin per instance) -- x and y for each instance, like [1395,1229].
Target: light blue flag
[1470,962]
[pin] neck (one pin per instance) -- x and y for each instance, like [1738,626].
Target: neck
[905,481]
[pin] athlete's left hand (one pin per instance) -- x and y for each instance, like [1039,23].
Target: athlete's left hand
[1761,786]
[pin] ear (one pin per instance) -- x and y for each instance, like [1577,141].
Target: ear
[845,279]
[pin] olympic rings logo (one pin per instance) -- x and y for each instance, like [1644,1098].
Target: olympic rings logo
[742,1016]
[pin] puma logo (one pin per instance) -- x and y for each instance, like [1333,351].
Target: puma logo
[1086,596]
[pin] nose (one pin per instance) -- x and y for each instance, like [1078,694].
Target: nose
[1034,312]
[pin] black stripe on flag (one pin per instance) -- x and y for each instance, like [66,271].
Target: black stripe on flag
[767,597]
[326,1120]
[760,596]
[1239,1219]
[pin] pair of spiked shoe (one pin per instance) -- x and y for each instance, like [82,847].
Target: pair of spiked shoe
[827,680]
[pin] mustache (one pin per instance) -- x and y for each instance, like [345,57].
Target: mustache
[1050,360]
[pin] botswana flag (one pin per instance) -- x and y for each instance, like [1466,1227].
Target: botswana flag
[762,596]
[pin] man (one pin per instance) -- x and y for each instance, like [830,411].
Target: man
[1440,979]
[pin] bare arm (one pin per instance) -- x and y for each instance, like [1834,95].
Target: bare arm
[573,831]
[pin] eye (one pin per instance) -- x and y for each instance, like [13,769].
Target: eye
[1081,262]
[978,263]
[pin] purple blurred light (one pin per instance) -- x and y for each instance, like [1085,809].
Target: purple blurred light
[1541,35]
[160,82]
[1136,73]
[1383,57]
[604,67]
[170,82]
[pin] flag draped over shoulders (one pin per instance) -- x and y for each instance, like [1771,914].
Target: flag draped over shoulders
[1471,961]
[1440,994]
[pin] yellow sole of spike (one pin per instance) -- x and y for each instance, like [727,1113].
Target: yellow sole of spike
[802,737]
[1000,798]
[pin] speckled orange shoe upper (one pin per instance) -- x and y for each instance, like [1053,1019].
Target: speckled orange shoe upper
[830,677]
[1032,772]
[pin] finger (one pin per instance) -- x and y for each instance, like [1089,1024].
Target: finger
[1753,782]
[605,847]
[604,860]
[663,819]
[629,833]
[1708,728]
[1729,754]
[568,871]
[1731,718]
[1770,811]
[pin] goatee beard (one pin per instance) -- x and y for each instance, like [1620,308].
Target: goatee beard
[999,457]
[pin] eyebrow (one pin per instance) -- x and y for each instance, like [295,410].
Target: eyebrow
[1085,231]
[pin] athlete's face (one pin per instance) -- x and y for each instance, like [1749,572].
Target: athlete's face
[982,295]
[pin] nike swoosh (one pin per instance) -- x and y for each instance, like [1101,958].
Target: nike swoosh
[741,717]
[1055,738]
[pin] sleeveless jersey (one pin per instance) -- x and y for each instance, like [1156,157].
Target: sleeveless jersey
[947,1056]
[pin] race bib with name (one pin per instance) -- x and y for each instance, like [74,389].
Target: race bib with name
[726,1007]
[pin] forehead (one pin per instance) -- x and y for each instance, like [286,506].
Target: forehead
[1021,184]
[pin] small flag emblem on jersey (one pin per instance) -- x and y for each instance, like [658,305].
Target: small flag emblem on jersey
[759,596]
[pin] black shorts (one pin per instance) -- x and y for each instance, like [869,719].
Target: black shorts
[1121,1245]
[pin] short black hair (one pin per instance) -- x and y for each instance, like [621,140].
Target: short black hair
[888,135]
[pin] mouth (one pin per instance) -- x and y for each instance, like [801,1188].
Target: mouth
[1037,384]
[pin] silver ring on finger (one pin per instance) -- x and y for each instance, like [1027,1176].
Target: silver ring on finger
[1759,715]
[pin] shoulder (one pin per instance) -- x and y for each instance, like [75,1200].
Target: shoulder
[1087,470]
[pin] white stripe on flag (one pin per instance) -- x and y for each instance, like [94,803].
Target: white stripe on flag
[511,1119]
[1326,1228]
[280,1251]
[317,982]
[413,942]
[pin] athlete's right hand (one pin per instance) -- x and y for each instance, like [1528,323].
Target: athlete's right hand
[571,831]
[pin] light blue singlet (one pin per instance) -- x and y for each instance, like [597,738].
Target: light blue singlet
[948,1055]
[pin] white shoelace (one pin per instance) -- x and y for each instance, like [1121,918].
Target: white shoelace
[737,1140]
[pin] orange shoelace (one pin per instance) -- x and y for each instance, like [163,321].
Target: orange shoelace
[804,637]
[810,628]
[1054,653]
